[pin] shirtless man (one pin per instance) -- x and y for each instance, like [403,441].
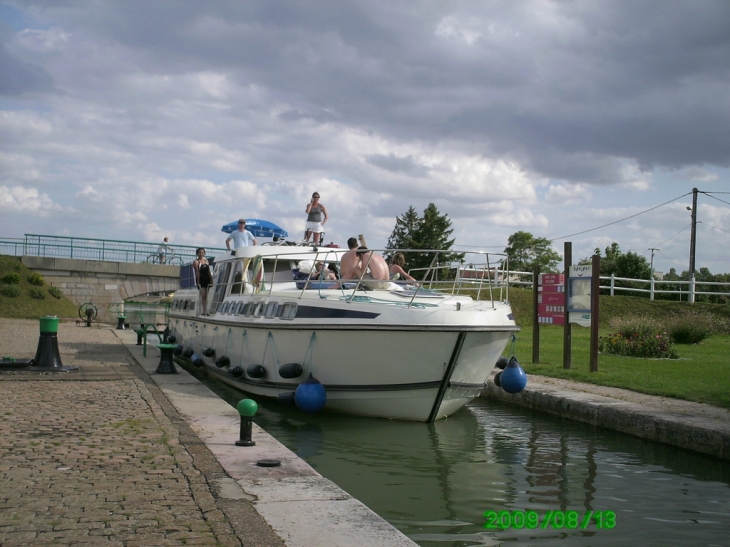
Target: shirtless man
[373,269]
[350,259]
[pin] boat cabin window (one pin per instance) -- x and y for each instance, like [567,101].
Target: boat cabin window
[239,307]
[271,309]
[288,311]
[237,282]
[221,283]
[258,309]
[248,309]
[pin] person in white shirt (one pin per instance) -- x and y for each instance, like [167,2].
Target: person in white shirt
[240,237]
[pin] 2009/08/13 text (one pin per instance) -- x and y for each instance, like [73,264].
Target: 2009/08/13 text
[502,520]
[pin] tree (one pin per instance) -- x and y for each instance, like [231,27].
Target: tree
[431,231]
[526,251]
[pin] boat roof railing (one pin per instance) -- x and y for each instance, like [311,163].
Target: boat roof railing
[480,273]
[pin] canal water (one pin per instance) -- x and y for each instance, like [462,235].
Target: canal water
[539,480]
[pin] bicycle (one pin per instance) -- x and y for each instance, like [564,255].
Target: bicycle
[170,260]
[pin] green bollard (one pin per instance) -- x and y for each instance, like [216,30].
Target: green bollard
[246,408]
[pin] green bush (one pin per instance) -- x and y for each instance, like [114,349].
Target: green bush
[694,326]
[11,279]
[645,345]
[637,336]
[36,279]
[37,293]
[10,291]
[55,292]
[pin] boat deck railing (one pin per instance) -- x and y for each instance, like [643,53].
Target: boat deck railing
[480,275]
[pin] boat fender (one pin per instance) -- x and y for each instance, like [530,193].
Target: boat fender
[236,371]
[197,360]
[256,371]
[171,339]
[310,395]
[222,361]
[513,378]
[498,379]
[187,353]
[209,352]
[178,350]
[502,362]
[286,399]
[291,370]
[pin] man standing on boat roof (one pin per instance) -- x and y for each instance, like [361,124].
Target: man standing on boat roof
[240,237]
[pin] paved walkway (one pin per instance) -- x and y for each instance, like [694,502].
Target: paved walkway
[114,455]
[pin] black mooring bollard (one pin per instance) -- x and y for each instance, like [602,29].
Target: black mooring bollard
[47,355]
[120,322]
[167,365]
[246,408]
[141,333]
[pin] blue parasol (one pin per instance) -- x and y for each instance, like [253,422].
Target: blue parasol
[258,228]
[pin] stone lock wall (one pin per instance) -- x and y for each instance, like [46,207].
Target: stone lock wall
[104,283]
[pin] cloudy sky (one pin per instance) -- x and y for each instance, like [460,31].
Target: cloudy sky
[136,120]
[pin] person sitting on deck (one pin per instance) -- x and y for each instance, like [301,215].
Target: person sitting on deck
[322,274]
[371,268]
[396,270]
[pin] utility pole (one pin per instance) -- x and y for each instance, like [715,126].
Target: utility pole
[651,264]
[651,273]
[693,235]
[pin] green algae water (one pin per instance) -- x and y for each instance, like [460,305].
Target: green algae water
[494,474]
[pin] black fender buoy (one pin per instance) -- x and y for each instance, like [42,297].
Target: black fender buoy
[187,353]
[236,371]
[197,360]
[286,399]
[256,371]
[171,339]
[209,352]
[222,361]
[502,362]
[498,379]
[291,370]
[177,350]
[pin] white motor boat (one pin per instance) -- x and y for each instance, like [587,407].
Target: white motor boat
[402,351]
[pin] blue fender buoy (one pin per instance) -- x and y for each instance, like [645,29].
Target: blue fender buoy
[513,378]
[310,395]
[502,362]
[236,371]
[197,360]
[222,361]
[256,371]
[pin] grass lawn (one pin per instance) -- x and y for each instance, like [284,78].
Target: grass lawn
[702,373]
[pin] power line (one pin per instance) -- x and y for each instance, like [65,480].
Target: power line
[682,230]
[716,228]
[718,199]
[620,220]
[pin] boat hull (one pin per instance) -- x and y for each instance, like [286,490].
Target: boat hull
[421,374]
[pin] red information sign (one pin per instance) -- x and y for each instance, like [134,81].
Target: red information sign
[551,299]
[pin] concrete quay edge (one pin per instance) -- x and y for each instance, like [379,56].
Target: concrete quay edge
[690,430]
[301,506]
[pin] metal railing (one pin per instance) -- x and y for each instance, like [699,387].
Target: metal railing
[97,249]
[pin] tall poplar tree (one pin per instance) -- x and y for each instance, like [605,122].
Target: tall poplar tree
[430,231]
